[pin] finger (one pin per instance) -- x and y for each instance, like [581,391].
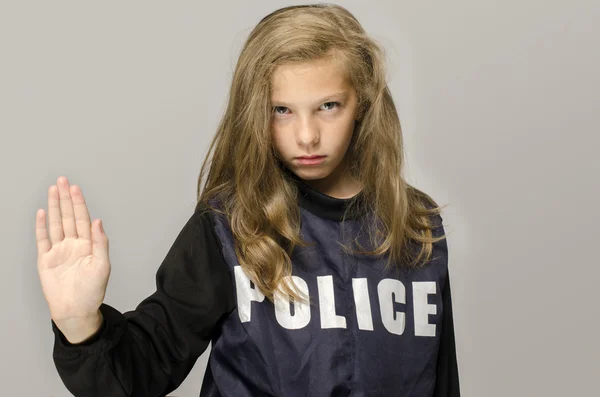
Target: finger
[82,215]
[66,208]
[100,242]
[41,233]
[54,218]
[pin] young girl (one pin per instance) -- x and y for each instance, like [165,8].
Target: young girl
[310,265]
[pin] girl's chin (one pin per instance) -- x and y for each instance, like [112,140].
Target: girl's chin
[312,172]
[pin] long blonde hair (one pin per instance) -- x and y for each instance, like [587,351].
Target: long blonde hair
[245,175]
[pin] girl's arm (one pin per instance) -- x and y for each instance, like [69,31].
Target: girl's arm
[447,383]
[149,351]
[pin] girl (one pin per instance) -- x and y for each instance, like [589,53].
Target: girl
[309,263]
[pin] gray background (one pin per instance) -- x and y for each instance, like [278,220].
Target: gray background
[498,102]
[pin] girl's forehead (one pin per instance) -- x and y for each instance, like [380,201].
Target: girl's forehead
[308,76]
[326,64]
[310,92]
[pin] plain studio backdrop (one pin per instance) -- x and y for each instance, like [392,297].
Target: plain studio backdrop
[498,102]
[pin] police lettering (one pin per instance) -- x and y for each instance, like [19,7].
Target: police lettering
[389,292]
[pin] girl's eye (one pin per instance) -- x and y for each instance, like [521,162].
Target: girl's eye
[278,107]
[333,103]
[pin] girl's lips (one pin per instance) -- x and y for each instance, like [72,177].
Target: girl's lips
[310,160]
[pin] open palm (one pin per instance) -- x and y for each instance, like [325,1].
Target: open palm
[73,260]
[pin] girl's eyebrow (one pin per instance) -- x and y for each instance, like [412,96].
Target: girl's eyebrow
[339,95]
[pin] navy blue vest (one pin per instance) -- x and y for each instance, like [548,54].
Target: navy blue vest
[368,331]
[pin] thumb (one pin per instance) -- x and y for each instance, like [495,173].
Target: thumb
[100,242]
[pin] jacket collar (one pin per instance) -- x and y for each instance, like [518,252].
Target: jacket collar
[320,204]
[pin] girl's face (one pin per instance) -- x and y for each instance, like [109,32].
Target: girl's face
[313,114]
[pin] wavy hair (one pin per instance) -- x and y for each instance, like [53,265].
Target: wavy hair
[243,172]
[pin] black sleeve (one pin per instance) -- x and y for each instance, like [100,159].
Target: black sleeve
[447,382]
[149,351]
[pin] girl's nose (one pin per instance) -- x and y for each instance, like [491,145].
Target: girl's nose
[307,133]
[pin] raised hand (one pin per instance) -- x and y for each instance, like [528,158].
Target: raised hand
[73,260]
